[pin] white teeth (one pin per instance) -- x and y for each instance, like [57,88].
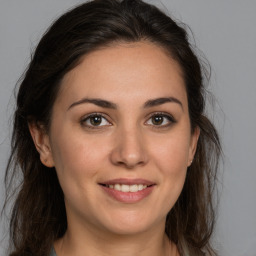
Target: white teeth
[133,188]
[128,188]
[140,187]
[117,187]
[125,188]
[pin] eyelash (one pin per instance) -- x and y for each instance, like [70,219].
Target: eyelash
[87,118]
[166,118]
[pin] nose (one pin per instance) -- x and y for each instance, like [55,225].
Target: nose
[129,150]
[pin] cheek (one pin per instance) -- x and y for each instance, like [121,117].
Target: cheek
[77,164]
[170,157]
[76,158]
[171,153]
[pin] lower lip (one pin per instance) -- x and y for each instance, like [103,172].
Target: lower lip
[128,197]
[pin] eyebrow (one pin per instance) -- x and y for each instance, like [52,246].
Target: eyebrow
[98,102]
[160,101]
[107,104]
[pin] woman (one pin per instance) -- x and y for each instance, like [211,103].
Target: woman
[110,135]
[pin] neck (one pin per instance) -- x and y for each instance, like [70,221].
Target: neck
[89,242]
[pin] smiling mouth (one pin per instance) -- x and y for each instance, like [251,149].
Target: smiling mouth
[128,191]
[127,188]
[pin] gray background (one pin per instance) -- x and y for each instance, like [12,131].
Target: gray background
[225,31]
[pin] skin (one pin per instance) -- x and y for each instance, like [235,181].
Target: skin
[127,143]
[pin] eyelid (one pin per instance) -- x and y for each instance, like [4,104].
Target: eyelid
[170,117]
[86,117]
[171,120]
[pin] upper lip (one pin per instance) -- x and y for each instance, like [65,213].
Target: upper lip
[126,181]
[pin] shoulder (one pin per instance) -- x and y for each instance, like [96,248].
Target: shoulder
[52,253]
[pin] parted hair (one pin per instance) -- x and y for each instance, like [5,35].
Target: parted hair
[38,213]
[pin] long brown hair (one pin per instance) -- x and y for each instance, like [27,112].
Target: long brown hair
[38,216]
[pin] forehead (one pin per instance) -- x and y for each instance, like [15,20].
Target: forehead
[122,70]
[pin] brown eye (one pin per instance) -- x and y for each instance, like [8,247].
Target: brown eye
[95,121]
[161,120]
[157,120]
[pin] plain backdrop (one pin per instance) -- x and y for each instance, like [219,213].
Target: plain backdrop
[225,31]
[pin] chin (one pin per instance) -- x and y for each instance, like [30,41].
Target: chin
[132,223]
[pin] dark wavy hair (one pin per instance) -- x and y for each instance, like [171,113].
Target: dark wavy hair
[38,214]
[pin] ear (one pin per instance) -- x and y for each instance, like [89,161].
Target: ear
[42,143]
[193,145]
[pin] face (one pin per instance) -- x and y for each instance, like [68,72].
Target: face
[120,139]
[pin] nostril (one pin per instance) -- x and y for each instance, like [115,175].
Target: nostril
[129,153]
[130,164]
